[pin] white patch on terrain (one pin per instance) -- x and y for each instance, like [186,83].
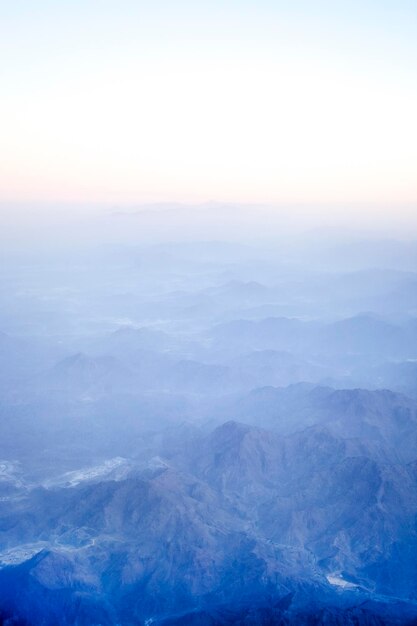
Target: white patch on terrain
[74,478]
[19,554]
[337,580]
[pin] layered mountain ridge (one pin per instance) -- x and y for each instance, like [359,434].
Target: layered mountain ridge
[245,512]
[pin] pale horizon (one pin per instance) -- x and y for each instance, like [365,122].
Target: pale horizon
[180,103]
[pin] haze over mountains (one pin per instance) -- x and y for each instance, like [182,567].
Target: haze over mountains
[209,432]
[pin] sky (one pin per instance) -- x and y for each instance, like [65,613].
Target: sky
[237,101]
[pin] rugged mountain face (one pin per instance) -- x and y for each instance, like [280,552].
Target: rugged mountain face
[241,525]
[342,499]
[147,546]
[380,416]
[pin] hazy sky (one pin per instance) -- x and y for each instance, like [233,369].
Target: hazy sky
[261,101]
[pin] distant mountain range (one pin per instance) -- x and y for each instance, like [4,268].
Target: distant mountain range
[208,433]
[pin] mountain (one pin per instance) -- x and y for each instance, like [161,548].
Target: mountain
[277,333]
[311,520]
[80,373]
[399,376]
[366,334]
[147,547]
[246,522]
[342,499]
[363,334]
[127,340]
[382,416]
[275,368]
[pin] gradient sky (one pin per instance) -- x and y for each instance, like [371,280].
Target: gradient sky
[130,101]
